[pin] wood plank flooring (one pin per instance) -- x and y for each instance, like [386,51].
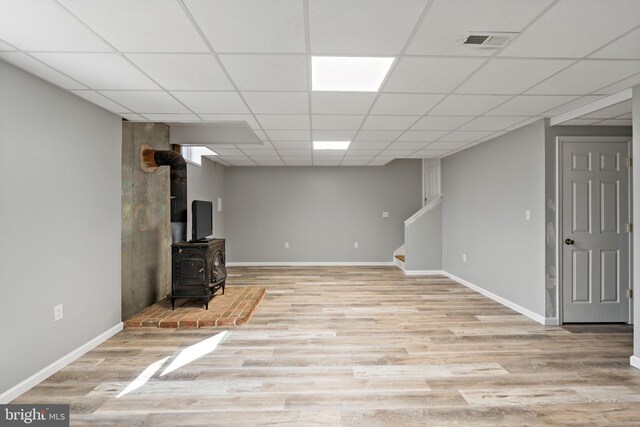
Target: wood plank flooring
[357,346]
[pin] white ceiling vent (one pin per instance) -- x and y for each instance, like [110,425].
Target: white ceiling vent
[493,40]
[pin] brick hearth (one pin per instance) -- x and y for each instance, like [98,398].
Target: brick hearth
[233,308]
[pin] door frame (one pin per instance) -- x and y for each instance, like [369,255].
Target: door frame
[558,218]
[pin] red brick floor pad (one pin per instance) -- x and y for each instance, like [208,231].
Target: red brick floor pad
[233,308]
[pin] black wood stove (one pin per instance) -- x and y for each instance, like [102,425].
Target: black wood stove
[198,270]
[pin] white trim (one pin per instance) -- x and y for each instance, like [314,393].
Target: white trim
[424,273]
[307,264]
[432,204]
[635,361]
[512,305]
[591,107]
[45,373]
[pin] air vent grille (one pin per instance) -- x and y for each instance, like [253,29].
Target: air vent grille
[488,40]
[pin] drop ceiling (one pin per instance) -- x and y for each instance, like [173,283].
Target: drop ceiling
[204,61]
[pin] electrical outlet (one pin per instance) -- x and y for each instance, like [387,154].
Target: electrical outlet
[464,257]
[286,245]
[355,245]
[58,314]
[527,215]
[385,214]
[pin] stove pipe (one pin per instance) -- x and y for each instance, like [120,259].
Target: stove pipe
[152,159]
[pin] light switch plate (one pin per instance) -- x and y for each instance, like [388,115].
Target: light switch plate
[286,245]
[527,215]
[355,245]
[464,257]
[385,214]
[58,313]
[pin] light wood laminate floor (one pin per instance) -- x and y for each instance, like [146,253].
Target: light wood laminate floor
[357,346]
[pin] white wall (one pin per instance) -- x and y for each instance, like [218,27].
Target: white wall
[60,216]
[486,191]
[320,211]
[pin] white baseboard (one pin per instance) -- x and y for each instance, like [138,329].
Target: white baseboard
[423,273]
[512,305]
[635,361]
[45,373]
[307,264]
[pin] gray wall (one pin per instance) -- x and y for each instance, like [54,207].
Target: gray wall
[206,182]
[486,190]
[320,211]
[551,133]
[423,241]
[60,216]
[146,228]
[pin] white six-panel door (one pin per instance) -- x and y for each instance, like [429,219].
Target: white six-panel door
[595,239]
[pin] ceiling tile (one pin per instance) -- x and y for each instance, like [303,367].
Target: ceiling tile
[278,102]
[440,123]
[448,21]
[361,153]
[131,27]
[227,151]
[571,105]
[267,72]
[430,75]
[586,76]
[275,26]
[247,118]
[134,117]
[405,103]
[574,28]
[368,145]
[529,105]
[338,122]
[626,47]
[492,123]
[295,153]
[422,135]
[389,122]
[297,162]
[172,118]
[428,154]
[355,162]
[445,145]
[397,153]
[380,161]
[183,71]
[6,47]
[146,101]
[461,136]
[377,135]
[341,102]
[333,135]
[284,121]
[611,111]
[292,145]
[108,71]
[289,135]
[327,162]
[362,26]
[39,69]
[260,153]
[100,100]
[511,76]
[43,25]
[408,145]
[621,85]
[468,105]
[269,162]
[212,102]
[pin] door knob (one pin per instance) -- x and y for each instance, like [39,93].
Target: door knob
[569,242]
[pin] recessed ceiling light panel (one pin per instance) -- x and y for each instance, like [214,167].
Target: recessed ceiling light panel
[348,74]
[331,145]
